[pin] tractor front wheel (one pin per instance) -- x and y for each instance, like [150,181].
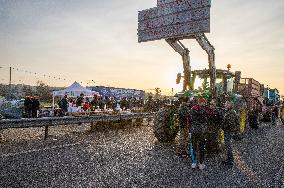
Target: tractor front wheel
[166,125]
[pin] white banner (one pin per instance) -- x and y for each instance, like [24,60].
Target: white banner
[173,19]
[175,31]
[172,8]
[161,3]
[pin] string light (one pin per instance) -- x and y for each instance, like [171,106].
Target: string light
[38,75]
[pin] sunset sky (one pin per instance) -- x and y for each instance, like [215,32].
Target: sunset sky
[83,40]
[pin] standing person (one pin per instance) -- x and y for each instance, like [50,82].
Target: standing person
[108,102]
[113,102]
[274,111]
[253,117]
[104,103]
[95,102]
[282,113]
[199,126]
[63,104]
[28,107]
[123,103]
[101,102]
[80,100]
[35,106]
[230,126]
[215,118]
[184,126]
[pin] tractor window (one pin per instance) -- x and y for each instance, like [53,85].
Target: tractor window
[201,83]
[230,86]
[198,82]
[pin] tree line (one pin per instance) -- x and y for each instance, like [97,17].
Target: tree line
[20,91]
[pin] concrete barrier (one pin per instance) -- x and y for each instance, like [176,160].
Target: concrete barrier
[55,121]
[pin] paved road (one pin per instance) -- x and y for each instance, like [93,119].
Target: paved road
[133,158]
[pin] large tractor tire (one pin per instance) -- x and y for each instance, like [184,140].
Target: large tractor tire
[166,125]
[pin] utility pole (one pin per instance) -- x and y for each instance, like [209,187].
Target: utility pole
[10,83]
[10,80]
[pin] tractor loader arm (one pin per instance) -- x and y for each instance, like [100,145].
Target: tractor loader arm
[209,48]
[184,52]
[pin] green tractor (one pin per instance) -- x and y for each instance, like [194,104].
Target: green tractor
[226,87]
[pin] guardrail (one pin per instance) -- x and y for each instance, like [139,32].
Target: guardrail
[54,121]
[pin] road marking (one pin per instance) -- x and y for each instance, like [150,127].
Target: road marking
[38,150]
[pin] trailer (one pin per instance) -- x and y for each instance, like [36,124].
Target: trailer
[252,91]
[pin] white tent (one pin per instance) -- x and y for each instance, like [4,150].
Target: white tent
[74,91]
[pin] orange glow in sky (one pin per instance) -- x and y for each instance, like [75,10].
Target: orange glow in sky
[97,40]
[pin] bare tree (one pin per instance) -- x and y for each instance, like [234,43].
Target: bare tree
[43,91]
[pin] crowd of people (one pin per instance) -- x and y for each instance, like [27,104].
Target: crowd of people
[154,105]
[199,119]
[98,102]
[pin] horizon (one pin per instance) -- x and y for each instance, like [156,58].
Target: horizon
[97,40]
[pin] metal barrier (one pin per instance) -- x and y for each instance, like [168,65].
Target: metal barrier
[54,121]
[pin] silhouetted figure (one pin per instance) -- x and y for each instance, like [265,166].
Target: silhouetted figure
[28,107]
[35,106]
[80,100]
[63,104]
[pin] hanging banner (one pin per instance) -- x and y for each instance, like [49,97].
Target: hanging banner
[118,92]
[174,19]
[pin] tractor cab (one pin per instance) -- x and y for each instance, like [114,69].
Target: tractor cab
[226,83]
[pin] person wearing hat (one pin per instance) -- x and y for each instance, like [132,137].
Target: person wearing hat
[198,130]
[230,126]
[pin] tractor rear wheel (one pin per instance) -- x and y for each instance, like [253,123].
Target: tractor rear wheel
[166,125]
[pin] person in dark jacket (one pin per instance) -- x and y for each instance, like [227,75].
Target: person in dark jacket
[63,104]
[28,107]
[230,126]
[35,106]
[253,117]
[184,126]
[95,102]
[199,127]
[282,113]
[215,118]
[80,100]
[275,114]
